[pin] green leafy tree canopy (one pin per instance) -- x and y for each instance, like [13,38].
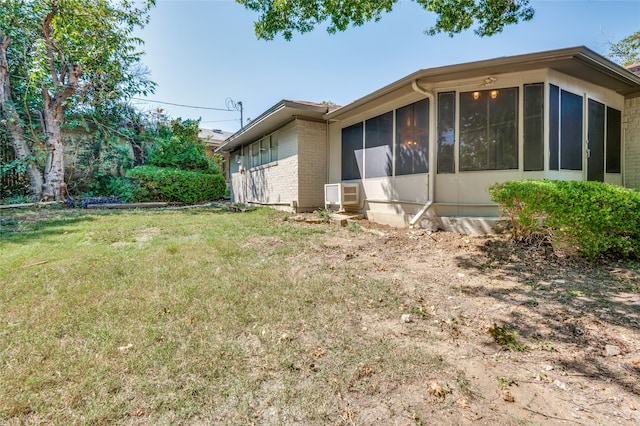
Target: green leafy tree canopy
[627,50]
[453,16]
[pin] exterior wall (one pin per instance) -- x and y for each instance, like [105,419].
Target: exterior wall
[631,141]
[312,164]
[395,200]
[274,183]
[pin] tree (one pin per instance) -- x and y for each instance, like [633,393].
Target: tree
[79,54]
[10,118]
[454,16]
[627,50]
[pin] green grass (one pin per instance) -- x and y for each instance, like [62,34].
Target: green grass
[184,316]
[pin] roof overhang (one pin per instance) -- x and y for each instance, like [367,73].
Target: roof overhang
[579,62]
[275,117]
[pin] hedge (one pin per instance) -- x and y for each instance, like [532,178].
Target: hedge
[597,219]
[168,184]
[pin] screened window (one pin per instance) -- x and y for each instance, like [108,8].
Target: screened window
[489,129]
[412,138]
[352,149]
[614,137]
[378,141]
[533,127]
[570,131]
[446,132]
[554,127]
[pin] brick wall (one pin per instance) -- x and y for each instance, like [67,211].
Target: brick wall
[273,183]
[312,164]
[631,131]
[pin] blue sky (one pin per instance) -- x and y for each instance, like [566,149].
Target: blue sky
[200,53]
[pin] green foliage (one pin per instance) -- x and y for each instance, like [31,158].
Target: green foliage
[181,154]
[506,337]
[454,16]
[185,130]
[595,218]
[112,186]
[627,50]
[167,184]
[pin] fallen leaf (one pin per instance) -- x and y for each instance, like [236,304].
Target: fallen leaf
[463,403]
[635,362]
[506,395]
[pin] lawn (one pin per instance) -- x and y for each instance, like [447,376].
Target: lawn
[180,316]
[204,316]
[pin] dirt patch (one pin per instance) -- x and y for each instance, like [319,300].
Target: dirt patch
[528,336]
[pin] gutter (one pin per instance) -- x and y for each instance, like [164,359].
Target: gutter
[432,152]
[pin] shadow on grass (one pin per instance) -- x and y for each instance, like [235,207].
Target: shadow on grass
[24,227]
[565,301]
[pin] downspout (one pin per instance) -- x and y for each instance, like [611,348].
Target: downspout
[432,152]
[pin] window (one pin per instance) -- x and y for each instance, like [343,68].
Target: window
[570,131]
[446,132]
[377,145]
[273,147]
[533,127]
[352,140]
[489,129]
[554,127]
[412,138]
[255,154]
[265,150]
[614,137]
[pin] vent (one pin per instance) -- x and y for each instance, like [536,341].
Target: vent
[341,195]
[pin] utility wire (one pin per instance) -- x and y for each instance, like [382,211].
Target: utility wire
[181,105]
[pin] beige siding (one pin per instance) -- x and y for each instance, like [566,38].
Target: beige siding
[631,132]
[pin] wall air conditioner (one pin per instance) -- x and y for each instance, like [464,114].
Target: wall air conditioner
[343,195]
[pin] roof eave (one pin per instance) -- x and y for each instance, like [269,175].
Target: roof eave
[270,120]
[564,59]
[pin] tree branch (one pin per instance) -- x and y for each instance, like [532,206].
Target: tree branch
[46,28]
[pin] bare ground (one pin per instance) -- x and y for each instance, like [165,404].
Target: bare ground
[526,335]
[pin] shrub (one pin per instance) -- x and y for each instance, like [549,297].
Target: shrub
[180,154]
[168,184]
[596,218]
[112,186]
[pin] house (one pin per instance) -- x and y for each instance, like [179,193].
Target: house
[428,146]
[280,158]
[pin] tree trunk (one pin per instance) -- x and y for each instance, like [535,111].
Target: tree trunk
[10,117]
[54,167]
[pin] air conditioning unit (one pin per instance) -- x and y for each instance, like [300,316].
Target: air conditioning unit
[342,195]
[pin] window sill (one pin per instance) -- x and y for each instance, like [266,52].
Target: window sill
[264,166]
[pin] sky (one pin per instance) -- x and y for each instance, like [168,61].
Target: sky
[205,53]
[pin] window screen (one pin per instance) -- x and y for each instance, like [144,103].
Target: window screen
[614,137]
[554,127]
[533,127]
[378,145]
[352,149]
[412,138]
[489,129]
[570,131]
[446,132]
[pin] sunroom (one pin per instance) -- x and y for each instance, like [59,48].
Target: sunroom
[430,145]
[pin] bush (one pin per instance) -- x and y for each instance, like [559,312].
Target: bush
[595,218]
[112,186]
[168,184]
[180,154]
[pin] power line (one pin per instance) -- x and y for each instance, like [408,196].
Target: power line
[181,105]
